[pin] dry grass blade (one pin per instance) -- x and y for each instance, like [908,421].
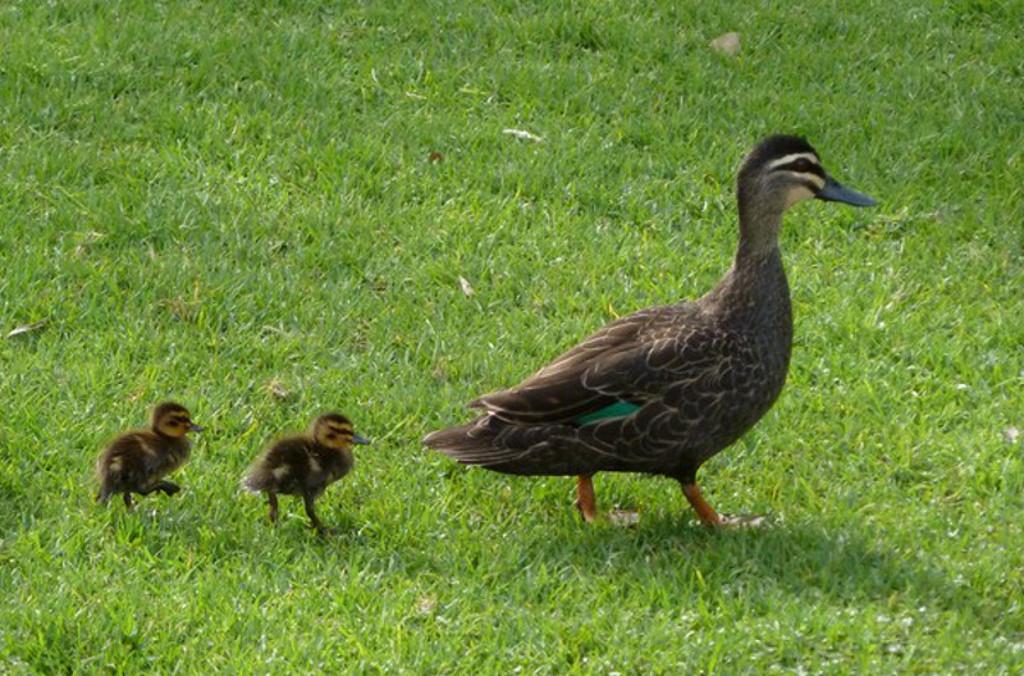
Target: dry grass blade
[425,605]
[276,389]
[26,328]
[524,135]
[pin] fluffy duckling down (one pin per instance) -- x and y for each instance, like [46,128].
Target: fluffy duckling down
[137,461]
[305,465]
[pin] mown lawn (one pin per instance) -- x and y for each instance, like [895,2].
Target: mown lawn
[263,210]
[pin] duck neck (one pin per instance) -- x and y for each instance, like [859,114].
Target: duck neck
[759,227]
[754,294]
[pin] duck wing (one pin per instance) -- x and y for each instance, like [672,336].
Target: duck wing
[630,361]
[631,397]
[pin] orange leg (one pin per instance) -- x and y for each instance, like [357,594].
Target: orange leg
[705,512]
[586,502]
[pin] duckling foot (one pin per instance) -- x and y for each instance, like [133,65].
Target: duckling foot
[168,487]
[314,522]
[586,502]
[128,501]
[165,487]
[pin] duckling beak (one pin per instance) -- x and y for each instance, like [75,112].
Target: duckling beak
[360,439]
[192,427]
[834,191]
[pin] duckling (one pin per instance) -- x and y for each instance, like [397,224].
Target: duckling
[136,461]
[664,389]
[306,464]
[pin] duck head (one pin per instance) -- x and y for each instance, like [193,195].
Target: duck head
[780,172]
[334,430]
[173,420]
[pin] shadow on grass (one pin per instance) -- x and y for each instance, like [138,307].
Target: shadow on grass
[849,565]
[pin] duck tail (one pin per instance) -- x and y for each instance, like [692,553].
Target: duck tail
[106,481]
[476,443]
[455,442]
[257,479]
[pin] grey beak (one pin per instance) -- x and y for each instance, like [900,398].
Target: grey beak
[837,192]
[195,428]
[360,439]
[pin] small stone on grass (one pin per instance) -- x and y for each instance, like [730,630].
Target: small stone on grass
[727,43]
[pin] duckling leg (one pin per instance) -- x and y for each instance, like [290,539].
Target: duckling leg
[307,499]
[586,501]
[272,501]
[128,499]
[166,487]
[705,512]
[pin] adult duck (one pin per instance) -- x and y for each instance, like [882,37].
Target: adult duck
[663,390]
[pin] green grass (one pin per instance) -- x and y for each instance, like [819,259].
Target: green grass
[204,198]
